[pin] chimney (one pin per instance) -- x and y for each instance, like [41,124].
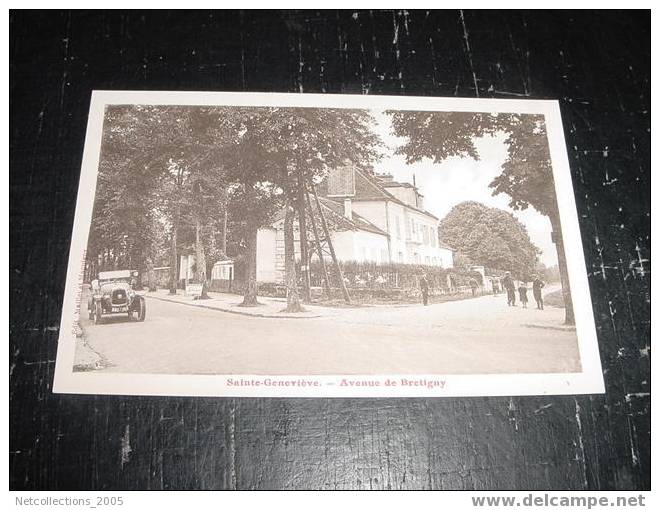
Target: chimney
[415,191]
[348,208]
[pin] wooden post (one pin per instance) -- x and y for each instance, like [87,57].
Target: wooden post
[342,284]
[319,248]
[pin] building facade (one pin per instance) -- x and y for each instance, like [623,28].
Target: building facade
[373,219]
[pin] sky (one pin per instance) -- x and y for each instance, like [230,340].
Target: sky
[456,180]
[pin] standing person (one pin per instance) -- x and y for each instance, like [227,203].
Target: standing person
[424,287]
[510,287]
[537,285]
[522,293]
[473,285]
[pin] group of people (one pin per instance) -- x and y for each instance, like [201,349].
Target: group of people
[509,285]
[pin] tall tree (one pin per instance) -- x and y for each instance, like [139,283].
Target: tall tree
[490,237]
[527,173]
[251,206]
[310,140]
[124,231]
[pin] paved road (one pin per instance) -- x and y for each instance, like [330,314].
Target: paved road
[480,335]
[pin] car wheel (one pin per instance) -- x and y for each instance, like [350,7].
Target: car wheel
[98,311]
[142,310]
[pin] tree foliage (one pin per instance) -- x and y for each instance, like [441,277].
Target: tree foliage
[168,174]
[490,237]
[526,176]
[527,173]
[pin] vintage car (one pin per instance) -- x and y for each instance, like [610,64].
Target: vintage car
[113,293]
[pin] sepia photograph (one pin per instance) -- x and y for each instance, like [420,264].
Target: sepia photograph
[329,246]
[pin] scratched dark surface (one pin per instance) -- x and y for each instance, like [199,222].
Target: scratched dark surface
[597,65]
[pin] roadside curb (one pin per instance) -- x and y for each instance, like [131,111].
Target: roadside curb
[556,328]
[96,361]
[237,312]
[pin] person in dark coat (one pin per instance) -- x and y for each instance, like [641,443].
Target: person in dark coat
[522,294]
[473,285]
[537,285]
[424,287]
[510,287]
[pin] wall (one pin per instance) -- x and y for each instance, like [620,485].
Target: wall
[424,245]
[446,257]
[266,256]
[370,247]
[399,250]
[373,211]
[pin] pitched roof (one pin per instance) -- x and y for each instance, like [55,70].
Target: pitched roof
[334,215]
[369,188]
[395,184]
[357,220]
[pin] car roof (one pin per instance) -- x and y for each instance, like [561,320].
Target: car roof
[111,275]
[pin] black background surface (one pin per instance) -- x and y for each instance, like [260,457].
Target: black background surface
[596,64]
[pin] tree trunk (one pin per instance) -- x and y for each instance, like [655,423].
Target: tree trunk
[140,267]
[200,261]
[302,227]
[250,296]
[225,214]
[151,276]
[291,280]
[173,253]
[563,270]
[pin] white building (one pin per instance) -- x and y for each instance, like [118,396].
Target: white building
[373,219]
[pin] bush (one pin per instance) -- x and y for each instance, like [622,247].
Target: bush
[392,276]
[554,298]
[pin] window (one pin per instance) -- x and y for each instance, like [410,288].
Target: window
[400,256]
[425,233]
[427,261]
[397,225]
[435,261]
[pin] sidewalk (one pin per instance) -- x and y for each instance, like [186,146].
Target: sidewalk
[86,358]
[268,307]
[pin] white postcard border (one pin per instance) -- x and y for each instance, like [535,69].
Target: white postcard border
[589,380]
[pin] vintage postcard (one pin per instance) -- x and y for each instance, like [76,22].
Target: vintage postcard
[303,245]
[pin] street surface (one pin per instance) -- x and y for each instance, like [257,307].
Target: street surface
[474,336]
